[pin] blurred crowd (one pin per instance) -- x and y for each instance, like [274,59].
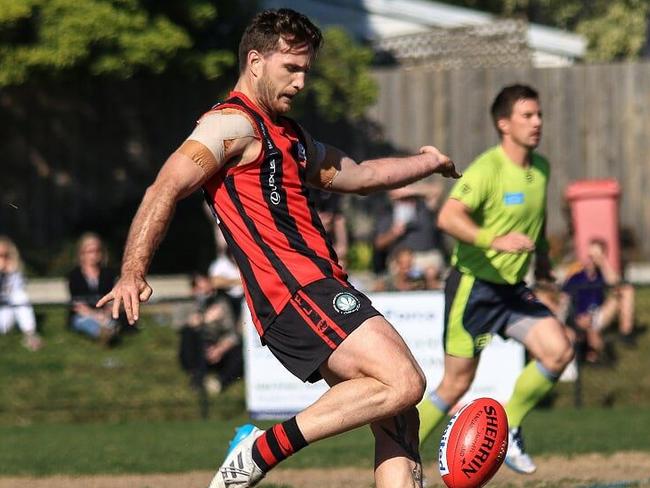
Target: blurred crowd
[409,253]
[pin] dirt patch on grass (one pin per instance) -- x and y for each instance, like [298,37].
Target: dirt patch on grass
[593,470]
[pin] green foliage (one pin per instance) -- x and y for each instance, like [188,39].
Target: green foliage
[43,39]
[618,32]
[615,29]
[342,84]
[118,38]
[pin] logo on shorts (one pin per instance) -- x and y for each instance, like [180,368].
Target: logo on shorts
[482,341]
[346,303]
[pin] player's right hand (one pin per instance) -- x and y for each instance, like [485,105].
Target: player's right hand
[513,242]
[129,291]
[445,166]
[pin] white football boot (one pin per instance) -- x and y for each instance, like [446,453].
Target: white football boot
[238,469]
[516,458]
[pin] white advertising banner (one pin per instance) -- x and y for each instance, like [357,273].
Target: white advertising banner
[273,392]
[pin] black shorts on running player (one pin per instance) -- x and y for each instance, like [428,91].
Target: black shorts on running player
[475,309]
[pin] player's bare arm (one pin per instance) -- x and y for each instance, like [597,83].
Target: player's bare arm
[331,169]
[384,173]
[217,139]
[455,219]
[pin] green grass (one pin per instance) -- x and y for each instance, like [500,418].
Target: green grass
[627,383]
[179,446]
[73,379]
[75,407]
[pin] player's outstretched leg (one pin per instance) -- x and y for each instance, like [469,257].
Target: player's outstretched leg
[239,469]
[456,380]
[253,453]
[546,341]
[373,376]
[433,409]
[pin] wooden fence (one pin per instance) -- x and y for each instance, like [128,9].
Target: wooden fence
[78,156]
[596,124]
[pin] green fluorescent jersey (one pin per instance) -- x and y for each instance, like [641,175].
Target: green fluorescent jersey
[503,197]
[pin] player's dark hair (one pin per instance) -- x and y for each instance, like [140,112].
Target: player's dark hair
[506,99]
[267,27]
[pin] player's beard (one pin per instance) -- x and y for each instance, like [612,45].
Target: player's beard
[268,94]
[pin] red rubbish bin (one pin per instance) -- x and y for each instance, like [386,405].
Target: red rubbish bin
[594,215]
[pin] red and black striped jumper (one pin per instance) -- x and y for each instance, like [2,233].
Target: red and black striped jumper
[299,298]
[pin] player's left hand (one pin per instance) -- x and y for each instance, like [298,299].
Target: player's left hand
[445,165]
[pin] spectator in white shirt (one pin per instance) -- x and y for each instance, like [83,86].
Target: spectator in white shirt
[15,307]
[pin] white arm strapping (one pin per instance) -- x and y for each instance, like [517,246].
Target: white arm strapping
[216,128]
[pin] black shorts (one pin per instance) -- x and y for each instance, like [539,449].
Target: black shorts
[313,323]
[475,309]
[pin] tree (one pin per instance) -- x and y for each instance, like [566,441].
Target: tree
[115,38]
[96,93]
[342,84]
[615,29]
[122,39]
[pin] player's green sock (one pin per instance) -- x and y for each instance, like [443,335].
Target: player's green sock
[534,382]
[432,410]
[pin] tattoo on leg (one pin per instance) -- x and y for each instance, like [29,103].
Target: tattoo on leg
[400,437]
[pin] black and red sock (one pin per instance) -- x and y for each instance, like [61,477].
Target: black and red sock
[278,443]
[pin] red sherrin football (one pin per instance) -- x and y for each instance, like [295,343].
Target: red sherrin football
[474,444]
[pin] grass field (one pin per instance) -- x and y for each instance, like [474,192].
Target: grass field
[75,407]
[177,446]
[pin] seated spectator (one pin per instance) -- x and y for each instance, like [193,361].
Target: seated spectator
[210,349]
[225,278]
[404,275]
[87,283]
[593,307]
[15,308]
[411,223]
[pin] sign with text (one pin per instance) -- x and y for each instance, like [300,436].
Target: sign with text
[273,392]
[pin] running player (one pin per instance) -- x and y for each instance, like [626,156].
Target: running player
[254,165]
[496,211]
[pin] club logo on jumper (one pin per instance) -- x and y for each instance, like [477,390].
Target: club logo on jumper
[513,198]
[346,303]
[274,193]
